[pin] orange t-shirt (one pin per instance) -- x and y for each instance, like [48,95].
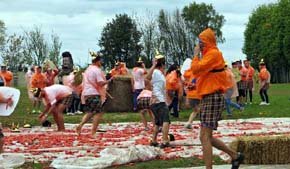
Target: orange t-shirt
[190,93]
[251,73]
[208,81]
[243,73]
[38,80]
[8,76]
[263,75]
[172,81]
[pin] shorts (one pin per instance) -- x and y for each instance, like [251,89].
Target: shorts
[242,92]
[161,113]
[144,103]
[250,84]
[1,134]
[193,102]
[211,108]
[67,101]
[93,104]
[242,85]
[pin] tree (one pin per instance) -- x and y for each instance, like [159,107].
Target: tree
[40,49]
[120,41]
[267,36]
[201,16]
[14,52]
[2,35]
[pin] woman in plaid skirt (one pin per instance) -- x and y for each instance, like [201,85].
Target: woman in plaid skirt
[211,84]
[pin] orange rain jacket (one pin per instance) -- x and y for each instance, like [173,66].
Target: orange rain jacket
[208,81]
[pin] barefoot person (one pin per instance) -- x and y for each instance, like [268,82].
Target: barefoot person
[56,99]
[8,102]
[93,94]
[158,100]
[211,84]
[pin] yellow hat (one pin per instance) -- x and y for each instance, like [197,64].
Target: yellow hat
[140,60]
[158,55]
[94,55]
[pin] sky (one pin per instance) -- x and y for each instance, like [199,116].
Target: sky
[79,23]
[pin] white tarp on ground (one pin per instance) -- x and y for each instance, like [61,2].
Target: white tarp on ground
[9,160]
[109,157]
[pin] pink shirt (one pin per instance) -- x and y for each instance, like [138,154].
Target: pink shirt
[139,78]
[92,75]
[145,93]
[56,91]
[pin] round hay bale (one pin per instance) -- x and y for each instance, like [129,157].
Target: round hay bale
[121,91]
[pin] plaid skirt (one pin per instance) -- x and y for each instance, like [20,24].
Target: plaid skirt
[93,104]
[67,101]
[242,85]
[144,103]
[211,108]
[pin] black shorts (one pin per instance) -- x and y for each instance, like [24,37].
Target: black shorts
[93,104]
[242,92]
[161,113]
[211,108]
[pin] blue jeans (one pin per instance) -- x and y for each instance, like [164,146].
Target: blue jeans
[135,95]
[230,103]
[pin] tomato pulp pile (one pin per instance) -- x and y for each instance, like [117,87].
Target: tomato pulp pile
[44,144]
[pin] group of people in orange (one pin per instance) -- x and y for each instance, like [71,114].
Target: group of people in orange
[209,85]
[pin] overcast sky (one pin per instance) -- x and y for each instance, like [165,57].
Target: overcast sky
[79,22]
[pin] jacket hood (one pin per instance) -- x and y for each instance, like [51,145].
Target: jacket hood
[208,39]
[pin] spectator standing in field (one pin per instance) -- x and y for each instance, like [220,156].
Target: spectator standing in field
[138,81]
[93,94]
[38,80]
[264,82]
[242,84]
[28,76]
[158,100]
[250,81]
[7,75]
[211,84]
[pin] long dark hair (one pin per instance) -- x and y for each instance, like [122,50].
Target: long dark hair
[172,68]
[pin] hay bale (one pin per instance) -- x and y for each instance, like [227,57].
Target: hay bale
[264,149]
[121,90]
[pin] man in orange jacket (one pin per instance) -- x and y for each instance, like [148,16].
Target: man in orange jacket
[211,84]
[7,75]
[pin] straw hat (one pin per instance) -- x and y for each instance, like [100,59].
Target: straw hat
[158,55]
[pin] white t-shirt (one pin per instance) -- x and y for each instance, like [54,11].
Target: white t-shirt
[139,78]
[93,74]
[158,82]
[55,91]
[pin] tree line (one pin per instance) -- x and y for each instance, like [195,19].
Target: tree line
[267,36]
[29,48]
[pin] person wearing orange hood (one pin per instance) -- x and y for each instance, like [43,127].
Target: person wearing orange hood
[7,75]
[211,84]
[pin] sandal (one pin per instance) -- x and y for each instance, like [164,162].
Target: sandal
[154,144]
[236,163]
[164,145]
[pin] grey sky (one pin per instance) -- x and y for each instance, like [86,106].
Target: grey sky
[79,22]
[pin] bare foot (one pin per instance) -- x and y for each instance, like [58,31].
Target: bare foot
[94,135]
[78,130]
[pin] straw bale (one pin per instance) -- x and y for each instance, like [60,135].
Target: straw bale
[264,149]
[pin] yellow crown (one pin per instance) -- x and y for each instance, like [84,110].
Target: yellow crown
[158,55]
[140,59]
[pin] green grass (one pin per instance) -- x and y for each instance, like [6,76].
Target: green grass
[279,97]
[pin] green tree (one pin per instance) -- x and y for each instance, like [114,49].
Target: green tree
[201,16]
[120,40]
[54,53]
[2,34]
[267,36]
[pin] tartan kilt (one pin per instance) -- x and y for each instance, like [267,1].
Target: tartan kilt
[242,85]
[211,108]
[93,104]
[144,103]
[67,101]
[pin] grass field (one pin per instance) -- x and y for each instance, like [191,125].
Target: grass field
[279,98]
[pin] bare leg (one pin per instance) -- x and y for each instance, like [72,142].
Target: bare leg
[152,118]
[143,119]
[60,109]
[1,145]
[205,138]
[85,119]
[221,146]
[55,117]
[155,133]
[96,120]
[165,130]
